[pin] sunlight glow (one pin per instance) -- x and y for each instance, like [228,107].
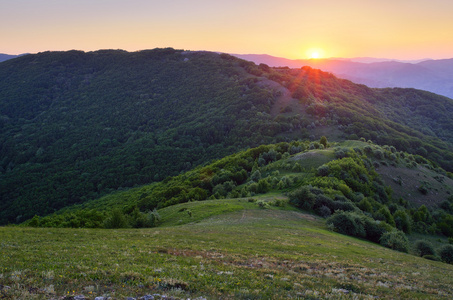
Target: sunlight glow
[314,53]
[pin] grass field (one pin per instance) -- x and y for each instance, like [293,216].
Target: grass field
[226,249]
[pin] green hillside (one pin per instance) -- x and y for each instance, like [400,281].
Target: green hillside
[76,126]
[364,190]
[247,253]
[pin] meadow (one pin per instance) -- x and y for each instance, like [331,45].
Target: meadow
[221,249]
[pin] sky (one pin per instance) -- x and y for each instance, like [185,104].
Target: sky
[295,29]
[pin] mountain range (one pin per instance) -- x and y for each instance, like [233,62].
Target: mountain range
[430,75]
[76,125]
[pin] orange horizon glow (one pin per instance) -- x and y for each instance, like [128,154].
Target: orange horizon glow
[289,28]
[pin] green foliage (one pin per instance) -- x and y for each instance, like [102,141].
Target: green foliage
[423,248]
[403,221]
[263,204]
[384,214]
[117,219]
[323,141]
[302,198]
[446,225]
[58,149]
[375,229]
[365,205]
[94,123]
[446,253]
[348,223]
[395,240]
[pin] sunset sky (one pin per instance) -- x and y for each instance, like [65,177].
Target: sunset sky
[400,29]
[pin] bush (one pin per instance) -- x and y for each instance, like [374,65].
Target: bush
[323,170]
[395,240]
[423,248]
[402,221]
[262,204]
[365,205]
[278,203]
[117,219]
[324,211]
[423,189]
[302,198]
[446,254]
[375,229]
[431,257]
[348,223]
[384,214]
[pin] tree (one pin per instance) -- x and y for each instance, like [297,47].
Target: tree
[323,141]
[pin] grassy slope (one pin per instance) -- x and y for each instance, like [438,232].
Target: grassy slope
[247,253]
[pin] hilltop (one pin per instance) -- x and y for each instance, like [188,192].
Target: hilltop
[429,74]
[75,126]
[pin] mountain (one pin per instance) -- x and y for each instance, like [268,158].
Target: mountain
[4,57]
[430,75]
[75,126]
[368,60]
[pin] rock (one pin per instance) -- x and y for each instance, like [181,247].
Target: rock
[147,297]
[79,297]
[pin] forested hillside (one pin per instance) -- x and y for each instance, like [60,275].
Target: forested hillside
[75,126]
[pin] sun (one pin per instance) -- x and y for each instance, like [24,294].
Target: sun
[314,53]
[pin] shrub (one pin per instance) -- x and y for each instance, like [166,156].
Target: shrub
[423,189]
[323,170]
[402,221]
[431,257]
[263,186]
[323,200]
[375,229]
[278,203]
[348,223]
[256,176]
[262,204]
[446,254]
[365,205]
[395,240]
[384,214]
[324,211]
[302,198]
[138,219]
[117,219]
[378,154]
[423,248]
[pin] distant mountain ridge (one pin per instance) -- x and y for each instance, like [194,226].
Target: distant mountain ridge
[430,75]
[4,57]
